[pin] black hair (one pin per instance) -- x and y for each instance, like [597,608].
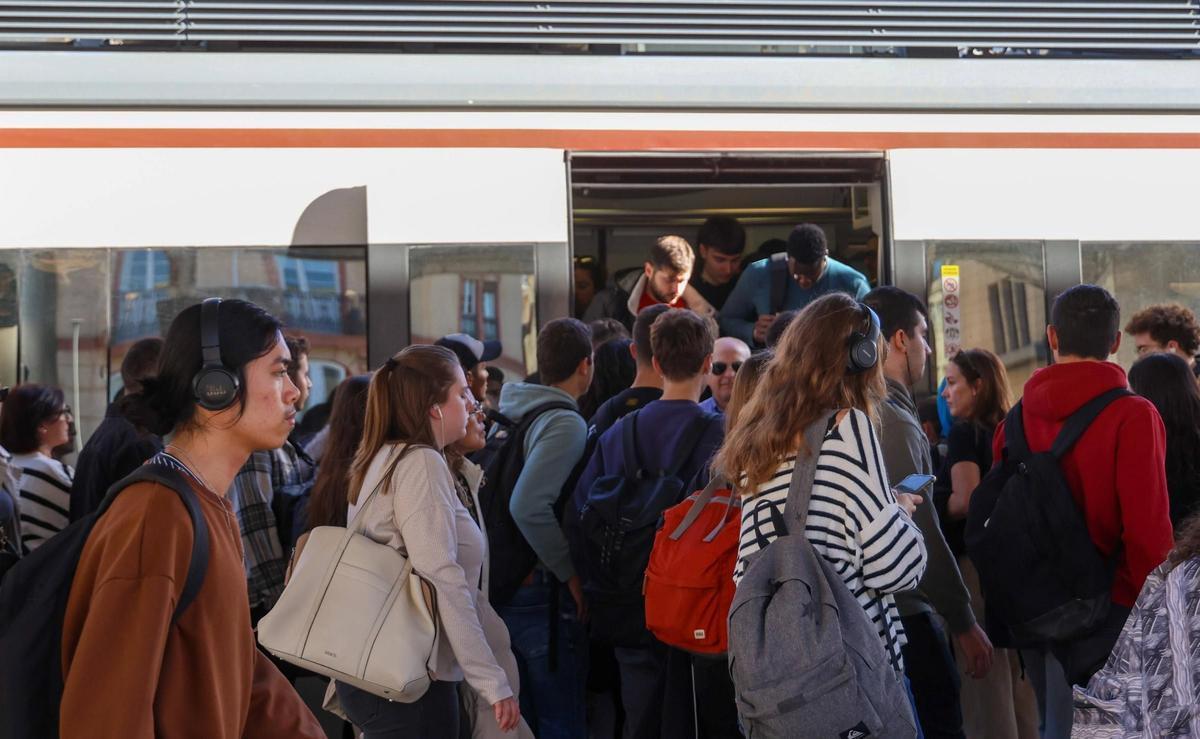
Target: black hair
[495,374]
[641,331]
[806,243]
[27,407]
[140,362]
[724,234]
[1087,319]
[1166,380]
[561,345]
[614,373]
[778,326]
[897,309]
[591,265]
[245,331]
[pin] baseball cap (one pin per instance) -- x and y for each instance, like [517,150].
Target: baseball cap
[469,350]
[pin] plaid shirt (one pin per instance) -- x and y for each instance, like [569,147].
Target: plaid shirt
[284,471]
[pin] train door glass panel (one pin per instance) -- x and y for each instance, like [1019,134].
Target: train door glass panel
[486,291]
[1141,275]
[318,293]
[988,295]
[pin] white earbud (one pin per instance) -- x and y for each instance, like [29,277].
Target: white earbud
[439,411]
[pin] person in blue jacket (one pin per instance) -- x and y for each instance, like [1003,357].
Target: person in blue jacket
[748,312]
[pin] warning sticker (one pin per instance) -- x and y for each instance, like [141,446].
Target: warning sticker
[951,315]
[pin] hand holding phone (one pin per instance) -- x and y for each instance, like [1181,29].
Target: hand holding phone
[907,491]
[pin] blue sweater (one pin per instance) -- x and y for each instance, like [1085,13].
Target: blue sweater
[659,427]
[752,296]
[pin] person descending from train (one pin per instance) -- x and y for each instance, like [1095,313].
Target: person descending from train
[662,279]
[34,421]
[673,433]
[999,702]
[589,280]
[123,440]
[267,518]
[720,241]
[473,355]
[418,405]
[928,663]
[1116,473]
[765,289]
[855,521]
[1166,380]
[1167,327]
[129,669]
[729,354]
[543,604]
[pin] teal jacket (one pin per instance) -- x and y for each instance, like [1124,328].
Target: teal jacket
[752,296]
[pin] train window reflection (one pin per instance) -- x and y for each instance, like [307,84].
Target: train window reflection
[1143,274]
[988,295]
[483,290]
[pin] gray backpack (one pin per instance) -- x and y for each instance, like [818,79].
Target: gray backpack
[806,660]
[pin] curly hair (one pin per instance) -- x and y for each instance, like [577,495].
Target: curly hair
[1167,322]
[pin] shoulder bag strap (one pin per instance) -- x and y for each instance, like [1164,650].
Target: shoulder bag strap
[805,471]
[1080,420]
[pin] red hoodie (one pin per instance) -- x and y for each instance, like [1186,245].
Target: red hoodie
[1116,470]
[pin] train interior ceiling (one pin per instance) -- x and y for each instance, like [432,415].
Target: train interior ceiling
[621,202]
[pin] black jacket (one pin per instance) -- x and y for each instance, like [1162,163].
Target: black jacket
[116,448]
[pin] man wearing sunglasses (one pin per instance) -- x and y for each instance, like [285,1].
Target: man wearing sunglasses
[728,355]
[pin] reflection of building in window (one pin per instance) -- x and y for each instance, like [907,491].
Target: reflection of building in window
[480,302]
[1010,315]
[143,280]
[312,295]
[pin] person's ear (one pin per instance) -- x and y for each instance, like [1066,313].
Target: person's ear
[706,368]
[1052,338]
[633,351]
[435,412]
[648,269]
[657,366]
[584,367]
[1117,345]
[899,341]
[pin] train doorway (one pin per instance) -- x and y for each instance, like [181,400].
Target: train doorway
[621,202]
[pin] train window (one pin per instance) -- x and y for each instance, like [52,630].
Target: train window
[1142,274]
[487,291]
[988,295]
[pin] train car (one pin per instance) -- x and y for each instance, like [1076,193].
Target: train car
[377,199]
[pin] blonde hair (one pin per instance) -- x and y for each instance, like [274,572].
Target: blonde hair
[398,401]
[806,378]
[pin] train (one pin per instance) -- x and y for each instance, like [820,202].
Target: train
[375,199]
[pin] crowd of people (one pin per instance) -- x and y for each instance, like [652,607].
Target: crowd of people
[530,509]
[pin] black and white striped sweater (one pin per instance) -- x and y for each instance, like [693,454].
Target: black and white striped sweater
[854,522]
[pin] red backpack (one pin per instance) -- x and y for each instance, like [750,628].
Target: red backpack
[689,580]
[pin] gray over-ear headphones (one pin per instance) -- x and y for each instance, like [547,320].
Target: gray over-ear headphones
[214,387]
[864,348]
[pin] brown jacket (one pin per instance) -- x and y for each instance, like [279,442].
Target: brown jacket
[128,672]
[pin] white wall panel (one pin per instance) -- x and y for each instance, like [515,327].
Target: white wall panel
[232,197]
[1087,194]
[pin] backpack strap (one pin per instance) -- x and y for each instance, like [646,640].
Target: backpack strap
[167,476]
[777,268]
[704,498]
[805,471]
[1015,445]
[633,465]
[1079,421]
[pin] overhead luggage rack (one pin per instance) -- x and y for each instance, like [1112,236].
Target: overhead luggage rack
[691,26]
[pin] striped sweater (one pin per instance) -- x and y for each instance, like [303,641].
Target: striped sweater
[854,522]
[44,495]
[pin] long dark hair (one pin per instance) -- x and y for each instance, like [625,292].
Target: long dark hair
[1166,380]
[246,332]
[327,506]
[398,402]
[27,407]
[614,373]
[993,401]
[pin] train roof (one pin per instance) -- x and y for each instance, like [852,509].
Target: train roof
[336,81]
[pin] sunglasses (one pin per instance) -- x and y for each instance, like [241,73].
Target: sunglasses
[718,368]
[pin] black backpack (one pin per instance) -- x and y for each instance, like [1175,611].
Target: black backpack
[33,600]
[615,530]
[1042,576]
[502,460]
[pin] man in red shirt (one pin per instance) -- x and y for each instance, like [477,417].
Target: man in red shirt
[1116,471]
[662,279]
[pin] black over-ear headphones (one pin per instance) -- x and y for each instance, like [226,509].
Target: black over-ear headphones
[864,349]
[214,386]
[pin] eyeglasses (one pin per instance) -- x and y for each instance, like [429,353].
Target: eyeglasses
[718,368]
[477,409]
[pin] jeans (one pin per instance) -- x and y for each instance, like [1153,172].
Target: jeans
[1055,701]
[434,714]
[933,675]
[552,700]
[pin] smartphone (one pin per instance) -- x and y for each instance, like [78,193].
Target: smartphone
[914,484]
